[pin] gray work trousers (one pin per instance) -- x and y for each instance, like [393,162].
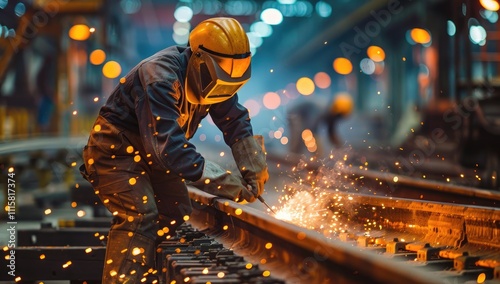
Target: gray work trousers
[147,203]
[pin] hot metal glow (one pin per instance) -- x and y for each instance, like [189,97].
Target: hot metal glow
[319,198]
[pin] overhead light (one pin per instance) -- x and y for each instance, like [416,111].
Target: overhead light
[183,14]
[79,32]
[271,16]
[491,5]
[421,36]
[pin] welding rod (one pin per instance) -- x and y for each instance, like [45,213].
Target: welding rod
[261,199]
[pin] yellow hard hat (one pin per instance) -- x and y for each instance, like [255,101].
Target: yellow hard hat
[342,104]
[220,63]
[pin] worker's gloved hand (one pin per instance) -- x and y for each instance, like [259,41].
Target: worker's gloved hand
[250,157]
[220,182]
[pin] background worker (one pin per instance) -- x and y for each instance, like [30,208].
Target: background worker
[340,108]
[138,155]
[306,119]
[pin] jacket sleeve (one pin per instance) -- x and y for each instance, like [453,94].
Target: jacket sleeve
[232,119]
[161,134]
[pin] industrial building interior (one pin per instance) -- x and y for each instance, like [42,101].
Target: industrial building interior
[421,78]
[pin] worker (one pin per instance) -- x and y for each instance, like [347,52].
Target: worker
[138,157]
[341,107]
[306,119]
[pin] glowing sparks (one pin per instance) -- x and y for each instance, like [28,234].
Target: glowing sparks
[67,264]
[136,251]
[313,201]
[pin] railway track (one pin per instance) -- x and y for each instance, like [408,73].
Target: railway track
[359,226]
[341,237]
[381,240]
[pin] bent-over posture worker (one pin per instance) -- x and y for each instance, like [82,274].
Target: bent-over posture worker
[138,155]
[311,115]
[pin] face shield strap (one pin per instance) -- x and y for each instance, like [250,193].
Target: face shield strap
[234,56]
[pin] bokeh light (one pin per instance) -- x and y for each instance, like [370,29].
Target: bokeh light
[97,56]
[271,16]
[375,53]
[79,32]
[183,14]
[323,9]
[20,9]
[271,100]
[451,28]
[182,28]
[291,91]
[342,66]
[322,80]
[262,29]
[253,107]
[367,66]
[490,5]
[254,39]
[421,36]
[111,69]
[477,34]
[305,86]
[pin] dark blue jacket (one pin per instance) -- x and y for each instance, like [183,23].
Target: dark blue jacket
[150,101]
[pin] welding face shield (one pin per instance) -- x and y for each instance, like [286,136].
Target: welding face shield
[213,77]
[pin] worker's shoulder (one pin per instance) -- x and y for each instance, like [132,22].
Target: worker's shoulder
[166,64]
[173,56]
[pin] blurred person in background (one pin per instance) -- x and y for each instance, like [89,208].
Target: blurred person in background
[340,108]
[306,119]
[138,156]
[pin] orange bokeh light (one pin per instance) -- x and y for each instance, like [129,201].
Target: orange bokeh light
[97,56]
[322,80]
[342,66]
[491,5]
[420,36]
[79,32]
[375,53]
[305,86]
[111,69]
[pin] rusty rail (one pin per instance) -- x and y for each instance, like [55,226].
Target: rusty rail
[294,254]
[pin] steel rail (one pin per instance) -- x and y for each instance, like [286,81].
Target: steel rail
[429,186]
[409,187]
[294,254]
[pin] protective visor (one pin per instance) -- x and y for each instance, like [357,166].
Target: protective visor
[213,77]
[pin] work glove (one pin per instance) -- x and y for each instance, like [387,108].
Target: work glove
[220,182]
[249,155]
